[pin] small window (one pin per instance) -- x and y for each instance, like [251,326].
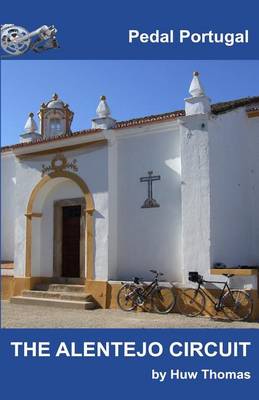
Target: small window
[55,126]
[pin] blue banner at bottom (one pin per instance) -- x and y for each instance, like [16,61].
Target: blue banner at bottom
[129,364]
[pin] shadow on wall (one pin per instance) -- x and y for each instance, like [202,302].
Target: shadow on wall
[91,163]
[149,237]
[97,215]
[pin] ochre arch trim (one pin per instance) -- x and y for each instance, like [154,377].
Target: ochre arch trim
[89,234]
[62,174]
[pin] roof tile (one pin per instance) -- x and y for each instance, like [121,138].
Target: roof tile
[216,109]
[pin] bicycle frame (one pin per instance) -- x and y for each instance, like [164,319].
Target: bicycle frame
[217,303]
[142,290]
[148,290]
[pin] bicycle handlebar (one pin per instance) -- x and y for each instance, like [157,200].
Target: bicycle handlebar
[156,272]
[228,275]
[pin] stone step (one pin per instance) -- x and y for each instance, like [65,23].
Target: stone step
[78,305]
[46,294]
[60,287]
[67,281]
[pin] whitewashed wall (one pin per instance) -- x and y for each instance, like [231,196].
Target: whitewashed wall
[252,132]
[220,216]
[234,172]
[208,196]
[149,237]
[196,243]
[92,165]
[8,183]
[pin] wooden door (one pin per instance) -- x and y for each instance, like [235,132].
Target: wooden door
[71,241]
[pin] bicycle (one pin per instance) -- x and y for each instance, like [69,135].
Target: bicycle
[237,305]
[148,296]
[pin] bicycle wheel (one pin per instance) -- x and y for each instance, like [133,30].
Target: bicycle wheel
[148,304]
[237,305]
[163,300]
[126,297]
[191,302]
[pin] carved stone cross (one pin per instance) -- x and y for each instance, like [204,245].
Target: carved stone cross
[150,202]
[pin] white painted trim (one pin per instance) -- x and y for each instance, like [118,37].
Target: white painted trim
[6,154]
[112,201]
[147,130]
[7,272]
[58,143]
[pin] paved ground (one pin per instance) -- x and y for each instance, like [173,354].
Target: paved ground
[24,316]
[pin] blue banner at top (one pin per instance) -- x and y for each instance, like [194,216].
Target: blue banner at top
[130,30]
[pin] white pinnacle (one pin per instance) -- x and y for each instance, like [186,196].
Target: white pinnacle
[196,88]
[30,126]
[103,109]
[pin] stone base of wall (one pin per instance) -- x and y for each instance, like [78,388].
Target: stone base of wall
[209,311]
[105,293]
[13,286]
[7,287]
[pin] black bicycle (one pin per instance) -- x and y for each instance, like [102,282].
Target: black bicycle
[150,296]
[237,305]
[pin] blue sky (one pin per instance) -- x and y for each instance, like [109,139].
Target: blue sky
[133,88]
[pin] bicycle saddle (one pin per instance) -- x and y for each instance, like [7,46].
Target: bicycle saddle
[228,275]
[137,280]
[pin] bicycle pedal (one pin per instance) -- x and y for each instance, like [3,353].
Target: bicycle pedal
[139,301]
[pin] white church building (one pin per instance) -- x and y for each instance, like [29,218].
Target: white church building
[178,192]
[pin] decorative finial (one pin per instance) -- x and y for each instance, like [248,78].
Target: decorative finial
[103,119]
[103,109]
[198,103]
[30,126]
[196,88]
[55,96]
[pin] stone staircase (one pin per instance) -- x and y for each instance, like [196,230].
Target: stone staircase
[61,295]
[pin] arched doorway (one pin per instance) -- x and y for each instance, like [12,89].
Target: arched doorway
[34,211]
